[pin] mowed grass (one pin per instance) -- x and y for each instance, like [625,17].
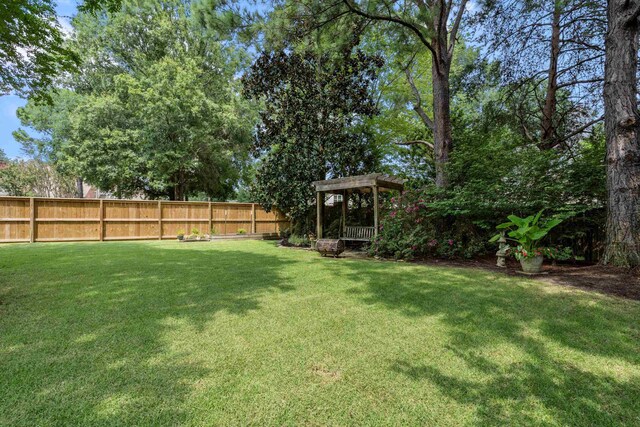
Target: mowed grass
[240,333]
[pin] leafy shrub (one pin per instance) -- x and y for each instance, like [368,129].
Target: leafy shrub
[409,229]
[242,231]
[195,231]
[180,232]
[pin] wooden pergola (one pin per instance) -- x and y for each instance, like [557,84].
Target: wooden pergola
[374,183]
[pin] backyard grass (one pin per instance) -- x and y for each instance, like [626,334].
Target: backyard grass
[237,333]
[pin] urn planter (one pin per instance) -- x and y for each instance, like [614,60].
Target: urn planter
[532,265]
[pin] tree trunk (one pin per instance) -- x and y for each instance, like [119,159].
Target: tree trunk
[442,140]
[79,188]
[621,125]
[550,104]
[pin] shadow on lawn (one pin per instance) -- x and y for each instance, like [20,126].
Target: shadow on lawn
[484,312]
[103,359]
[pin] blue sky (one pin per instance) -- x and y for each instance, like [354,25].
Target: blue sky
[10,103]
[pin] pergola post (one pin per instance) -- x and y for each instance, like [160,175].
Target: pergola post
[375,210]
[319,213]
[344,212]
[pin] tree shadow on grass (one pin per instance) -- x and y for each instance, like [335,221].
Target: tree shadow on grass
[576,355]
[83,334]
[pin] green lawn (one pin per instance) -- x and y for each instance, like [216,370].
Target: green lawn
[237,333]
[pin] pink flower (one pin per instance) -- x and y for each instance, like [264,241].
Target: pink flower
[414,247]
[392,214]
[450,242]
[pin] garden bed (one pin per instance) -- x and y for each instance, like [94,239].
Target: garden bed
[620,282]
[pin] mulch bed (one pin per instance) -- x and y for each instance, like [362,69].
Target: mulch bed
[621,282]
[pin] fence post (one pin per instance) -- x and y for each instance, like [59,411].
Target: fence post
[159,219]
[32,220]
[253,218]
[101,235]
[210,219]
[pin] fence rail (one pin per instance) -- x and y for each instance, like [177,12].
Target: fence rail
[38,219]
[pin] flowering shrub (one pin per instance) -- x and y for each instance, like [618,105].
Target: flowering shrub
[408,230]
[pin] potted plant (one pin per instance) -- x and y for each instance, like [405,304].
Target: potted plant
[242,231]
[527,233]
[180,234]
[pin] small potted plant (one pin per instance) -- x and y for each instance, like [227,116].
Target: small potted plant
[180,234]
[242,231]
[527,233]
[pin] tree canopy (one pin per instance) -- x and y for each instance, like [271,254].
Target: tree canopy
[312,122]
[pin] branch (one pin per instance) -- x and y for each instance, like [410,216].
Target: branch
[417,106]
[582,129]
[578,82]
[399,21]
[633,16]
[456,26]
[416,142]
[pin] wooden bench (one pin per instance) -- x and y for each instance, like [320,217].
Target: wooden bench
[358,233]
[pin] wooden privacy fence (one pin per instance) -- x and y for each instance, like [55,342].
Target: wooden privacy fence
[35,219]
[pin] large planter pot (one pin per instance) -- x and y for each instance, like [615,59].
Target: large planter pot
[532,265]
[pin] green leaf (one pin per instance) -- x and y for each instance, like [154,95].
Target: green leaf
[537,217]
[517,220]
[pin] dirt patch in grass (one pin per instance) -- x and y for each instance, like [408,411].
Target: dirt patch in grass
[325,374]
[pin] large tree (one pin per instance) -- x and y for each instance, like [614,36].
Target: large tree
[33,52]
[34,177]
[552,58]
[435,24]
[155,108]
[622,124]
[414,26]
[311,123]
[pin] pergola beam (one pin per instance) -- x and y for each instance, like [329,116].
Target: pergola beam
[360,182]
